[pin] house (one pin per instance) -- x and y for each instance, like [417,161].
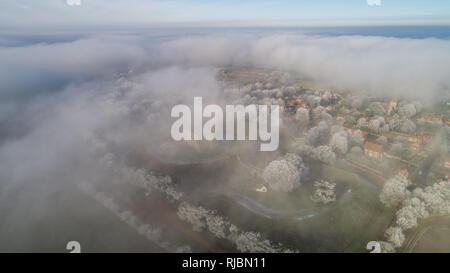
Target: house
[302,105]
[415,138]
[415,146]
[330,108]
[258,85]
[419,139]
[260,187]
[353,131]
[373,150]
[426,136]
[403,172]
[431,118]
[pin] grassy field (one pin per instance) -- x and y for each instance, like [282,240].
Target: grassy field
[356,218]
[430,236]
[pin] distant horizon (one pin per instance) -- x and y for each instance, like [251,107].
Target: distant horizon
[243,13]
[410,31]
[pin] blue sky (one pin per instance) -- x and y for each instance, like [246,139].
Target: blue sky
[223,12]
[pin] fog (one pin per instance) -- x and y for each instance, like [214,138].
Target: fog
[66,103]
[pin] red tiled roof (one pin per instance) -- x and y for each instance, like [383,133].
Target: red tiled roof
[373,146]
[363,133]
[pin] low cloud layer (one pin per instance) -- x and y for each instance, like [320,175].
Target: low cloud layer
[51,89]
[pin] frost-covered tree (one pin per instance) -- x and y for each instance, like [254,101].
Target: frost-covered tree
[150,182]
[319,134]
[407,110]
[397,148]
[356,138]
[204,219]
[406,218]
[324,116]
[302,115]
[283,174]
[395,236]
[407,126]
[422,203]
[350,120]
[194,215]
[413,210]
[313,101]
[386,247]
[356,150]
[419,106]
[377,125]
[339,142]
[216,224]
[251,242]
[356,102]
[436,198]
[183,249]
[395,191]
[382,140]
[326,98]
[377,108]
[324,154]
[324,193]
[295,160]
[301,146]
[361,123]
[395,122]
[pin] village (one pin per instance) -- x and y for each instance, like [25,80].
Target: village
[411,138]
[350,169]
[336,141]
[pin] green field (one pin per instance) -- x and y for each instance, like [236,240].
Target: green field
[356,218]
[430,236]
